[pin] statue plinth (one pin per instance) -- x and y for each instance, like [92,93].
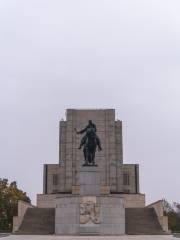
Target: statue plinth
[89,165]
[89,181]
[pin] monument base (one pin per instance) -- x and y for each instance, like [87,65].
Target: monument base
[89,215]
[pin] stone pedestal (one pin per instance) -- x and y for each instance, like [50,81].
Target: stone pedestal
[89,181]
[90,215]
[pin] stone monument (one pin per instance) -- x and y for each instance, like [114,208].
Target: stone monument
[91,192]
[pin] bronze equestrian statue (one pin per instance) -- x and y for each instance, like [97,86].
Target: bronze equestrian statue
[90,141]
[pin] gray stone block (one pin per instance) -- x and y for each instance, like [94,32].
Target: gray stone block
[91,190]
[66,229]
[89,230]
[89,181]
[67,215]
[112,229]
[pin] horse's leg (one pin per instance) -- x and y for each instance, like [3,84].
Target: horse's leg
[85,156]
[94,152]
[93,157]
[89,157]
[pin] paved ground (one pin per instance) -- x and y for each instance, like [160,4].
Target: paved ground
[143,237]
[4,235]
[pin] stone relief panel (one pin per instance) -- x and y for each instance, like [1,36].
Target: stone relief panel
[89,211]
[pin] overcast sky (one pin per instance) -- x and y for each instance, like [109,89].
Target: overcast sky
[91,54]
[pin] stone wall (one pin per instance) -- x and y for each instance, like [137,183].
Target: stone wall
[54,171]
[130,200]
[67,216]
[112,216]
[134,200]
[132,173]
[163,220]
[22,208]
[46,200]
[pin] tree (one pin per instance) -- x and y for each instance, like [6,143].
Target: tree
[9,197]
[173,213]
[177,208]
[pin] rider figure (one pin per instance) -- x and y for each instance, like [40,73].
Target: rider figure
[91,126]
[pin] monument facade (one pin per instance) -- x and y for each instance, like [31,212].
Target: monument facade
[110,160]
[91,190]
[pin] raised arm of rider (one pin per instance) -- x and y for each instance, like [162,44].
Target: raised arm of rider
[82,131]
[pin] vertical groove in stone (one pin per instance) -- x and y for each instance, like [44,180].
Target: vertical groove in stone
[45,179]
[107,149]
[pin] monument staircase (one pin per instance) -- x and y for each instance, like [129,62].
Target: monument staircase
[142,221]
[137,221]
[38,221]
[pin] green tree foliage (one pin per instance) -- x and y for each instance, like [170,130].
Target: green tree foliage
[173,213]
[9,196]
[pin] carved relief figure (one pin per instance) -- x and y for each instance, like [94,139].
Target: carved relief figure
[89,213]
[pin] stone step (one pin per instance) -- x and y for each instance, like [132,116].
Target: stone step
[142,221]
[38,221]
